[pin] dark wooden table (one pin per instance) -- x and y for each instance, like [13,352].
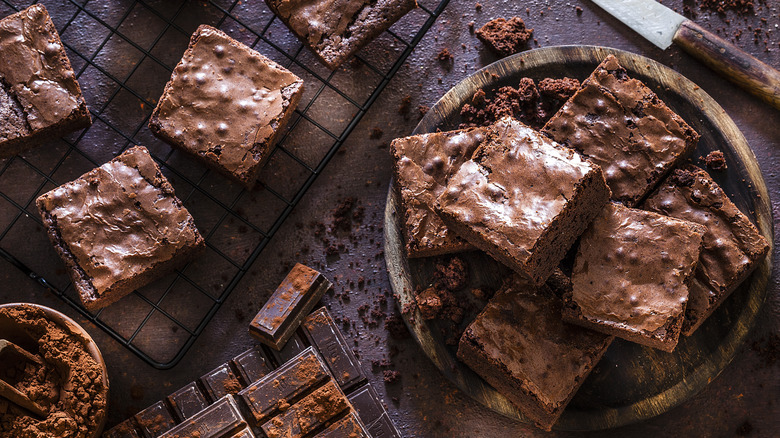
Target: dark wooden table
[743,400]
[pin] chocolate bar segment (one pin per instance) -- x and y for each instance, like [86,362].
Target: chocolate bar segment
[217,421]
[187,401]
[293,347]
[252,365]
[291,302]
[309,414]
[246,432]
[349,426]
[384,428]
[323,333]
[367,404]
[220,382]
[154,420]
[285,384]
[125,429]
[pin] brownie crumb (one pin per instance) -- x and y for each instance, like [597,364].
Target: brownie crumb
[744,429]
[406,102]
[478,6]
[471,26]
[391,376]
[742,7]
[578,10]
[429,302]
[444,56]
[505,37]
[423,109]
[454,275]
[376,133]
[715,160]
[529,103]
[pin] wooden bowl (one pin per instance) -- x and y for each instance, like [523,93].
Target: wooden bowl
[631,382]
[76,330]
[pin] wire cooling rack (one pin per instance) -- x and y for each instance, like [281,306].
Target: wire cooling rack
[123,53]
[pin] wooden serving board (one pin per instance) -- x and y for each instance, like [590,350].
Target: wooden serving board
[631,382]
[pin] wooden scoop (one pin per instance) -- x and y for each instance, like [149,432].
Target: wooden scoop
[9,392]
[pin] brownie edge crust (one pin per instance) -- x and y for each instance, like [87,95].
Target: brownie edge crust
[118,227]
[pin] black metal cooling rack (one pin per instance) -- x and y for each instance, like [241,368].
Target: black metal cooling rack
[123,53]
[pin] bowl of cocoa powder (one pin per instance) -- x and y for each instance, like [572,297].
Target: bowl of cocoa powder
[70,383]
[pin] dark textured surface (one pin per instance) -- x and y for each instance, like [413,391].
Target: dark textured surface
[742,400]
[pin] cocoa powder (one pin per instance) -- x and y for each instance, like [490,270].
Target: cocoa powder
[69,385]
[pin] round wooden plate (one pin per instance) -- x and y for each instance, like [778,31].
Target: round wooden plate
[631,382]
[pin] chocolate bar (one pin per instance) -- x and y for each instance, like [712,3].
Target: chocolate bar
[220,382]
[309,414]
[323,333]
[246,432]
[367,404]
[216,421]
[292,348]
[154,420]
[187,401]
[251,365]
[383,428]
[349,426]
[291,302]
[284,385]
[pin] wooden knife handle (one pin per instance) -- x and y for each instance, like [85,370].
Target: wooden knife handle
[728,60]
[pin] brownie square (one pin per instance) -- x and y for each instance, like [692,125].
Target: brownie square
[520,345]
[523,199]
[118,227]
[226,104]
[39,95]
[622,125]
[732,248]
[631,275]
[336,29]
[422,166]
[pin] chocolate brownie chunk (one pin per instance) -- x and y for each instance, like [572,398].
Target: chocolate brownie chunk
[631,275]
[523,199]
[505,37]
[336,29]
[118,227]
[226,104]
[733,247]
[422,166]
[521,347]
[622,125]
[715,160]
[39,95]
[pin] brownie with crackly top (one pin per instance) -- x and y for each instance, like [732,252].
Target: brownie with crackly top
[39,95]
[523,199]
[631,274]
[622,125]
[226,104]
[733,246]
[520,345]
[118,227]
[422,165]
[336,29]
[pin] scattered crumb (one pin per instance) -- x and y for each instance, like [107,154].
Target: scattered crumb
[391,376]
[715,160]
[721,6]
[578,10]
[423,109]
[505,37]
[453,275]
[444,56]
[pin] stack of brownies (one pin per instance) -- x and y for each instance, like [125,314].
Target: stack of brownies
[659,245]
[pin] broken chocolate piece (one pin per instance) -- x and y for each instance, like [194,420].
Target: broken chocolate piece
[187,401]
[291,302]
[216,421]
[309,414]
[252,365]
[323,333]
[285,384]
[220,382]
[154,420]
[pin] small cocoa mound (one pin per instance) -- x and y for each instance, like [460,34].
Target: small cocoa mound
[505,37]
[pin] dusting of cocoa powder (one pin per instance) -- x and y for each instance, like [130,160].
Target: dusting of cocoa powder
[69,386]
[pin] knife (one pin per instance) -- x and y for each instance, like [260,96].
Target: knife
[662,27]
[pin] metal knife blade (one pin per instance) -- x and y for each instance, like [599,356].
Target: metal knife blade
[652,20]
